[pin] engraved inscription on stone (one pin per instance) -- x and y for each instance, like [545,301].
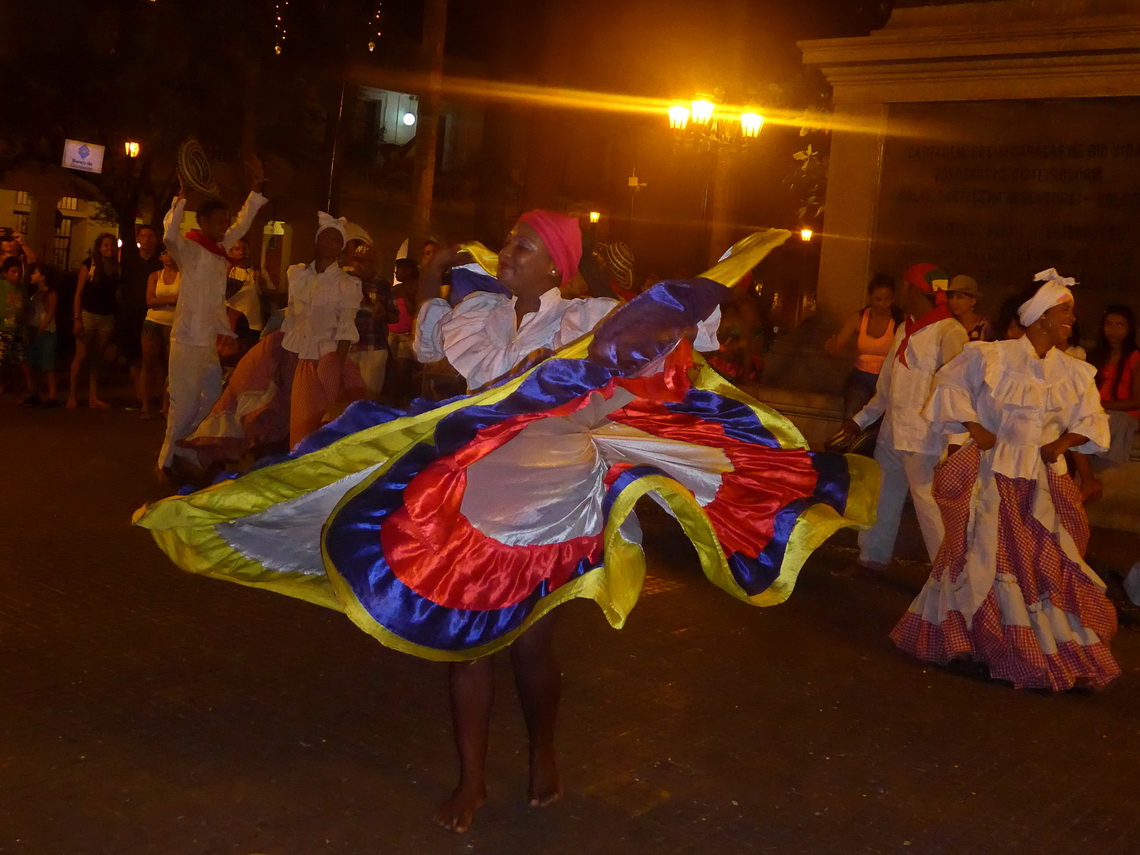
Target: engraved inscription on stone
[1002,189]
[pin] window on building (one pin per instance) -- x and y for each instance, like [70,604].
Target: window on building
[69,203]
[61,243]
[23,198]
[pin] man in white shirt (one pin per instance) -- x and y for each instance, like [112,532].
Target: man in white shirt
[908,448]
[195,376]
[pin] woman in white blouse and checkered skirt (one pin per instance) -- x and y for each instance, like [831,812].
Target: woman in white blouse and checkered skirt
[1010,588]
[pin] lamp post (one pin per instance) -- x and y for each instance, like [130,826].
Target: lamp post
[705,124]
[131,148]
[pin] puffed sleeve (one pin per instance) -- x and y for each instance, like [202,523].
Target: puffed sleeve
[1089,418]
[953,395]
[581,316]
[428,340]
[293,276]
[351,296]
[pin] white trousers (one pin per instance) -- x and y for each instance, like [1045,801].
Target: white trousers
[372,364]
[195,383]
[902,471]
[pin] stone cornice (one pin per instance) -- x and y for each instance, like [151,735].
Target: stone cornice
[1095,57]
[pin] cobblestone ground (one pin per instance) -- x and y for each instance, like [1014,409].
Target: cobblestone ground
[145,711]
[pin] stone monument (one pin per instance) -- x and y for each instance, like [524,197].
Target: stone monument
[991,138]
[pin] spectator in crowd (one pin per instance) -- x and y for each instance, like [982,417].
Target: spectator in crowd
[138,264]
[1116,358]
[161,300]
[93,317]
[12,343]
[1008,326]
[402,357]
[429,248]
[908,447]
[195,374]
[42,306]
[13,245]
[370,352]
[873,329]
[741,335]
[962,298]
[615,262]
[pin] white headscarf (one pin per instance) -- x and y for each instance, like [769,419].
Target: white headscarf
[325,221]
[1054,292]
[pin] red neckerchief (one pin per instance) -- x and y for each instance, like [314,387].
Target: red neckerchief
[913,325]
[207,243]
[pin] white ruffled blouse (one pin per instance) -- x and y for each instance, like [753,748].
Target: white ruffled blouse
[1025,400]
[322,310]
[480,339]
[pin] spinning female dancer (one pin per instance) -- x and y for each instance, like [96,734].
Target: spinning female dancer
[453,530]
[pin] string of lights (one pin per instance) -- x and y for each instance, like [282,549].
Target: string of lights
[280,7]
[279,25]
[376,25]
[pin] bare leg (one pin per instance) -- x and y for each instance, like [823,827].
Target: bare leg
[472,693]
[539,683]
[76,367]
[98,359]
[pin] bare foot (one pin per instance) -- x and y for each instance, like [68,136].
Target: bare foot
[96,404]
[456,813]
[72,403]
[856,569]
[545,784]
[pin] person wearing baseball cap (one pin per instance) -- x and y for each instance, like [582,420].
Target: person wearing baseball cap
[962,299]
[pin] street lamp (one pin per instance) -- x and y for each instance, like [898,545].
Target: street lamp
[131,149]
[595,217]
[705,124]
[679,117]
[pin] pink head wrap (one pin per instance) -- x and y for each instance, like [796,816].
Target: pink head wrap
[562,237]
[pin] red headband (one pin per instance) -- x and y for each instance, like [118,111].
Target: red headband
[562,238]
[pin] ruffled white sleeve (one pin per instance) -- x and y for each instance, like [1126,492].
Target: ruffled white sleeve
[428,340]
[581,316]
[295,286]
[1089,418]
[478,337]
[953,395]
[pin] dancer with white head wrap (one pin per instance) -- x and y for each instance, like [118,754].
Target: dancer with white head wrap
[1010,589]
[283,387]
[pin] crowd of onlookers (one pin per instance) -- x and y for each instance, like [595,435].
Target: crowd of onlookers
[121,306]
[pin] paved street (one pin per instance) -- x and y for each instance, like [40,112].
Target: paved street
[144,711]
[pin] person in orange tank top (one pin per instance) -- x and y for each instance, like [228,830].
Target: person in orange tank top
[873,329]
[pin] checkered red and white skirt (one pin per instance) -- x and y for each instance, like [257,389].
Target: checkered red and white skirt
[1043,622]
